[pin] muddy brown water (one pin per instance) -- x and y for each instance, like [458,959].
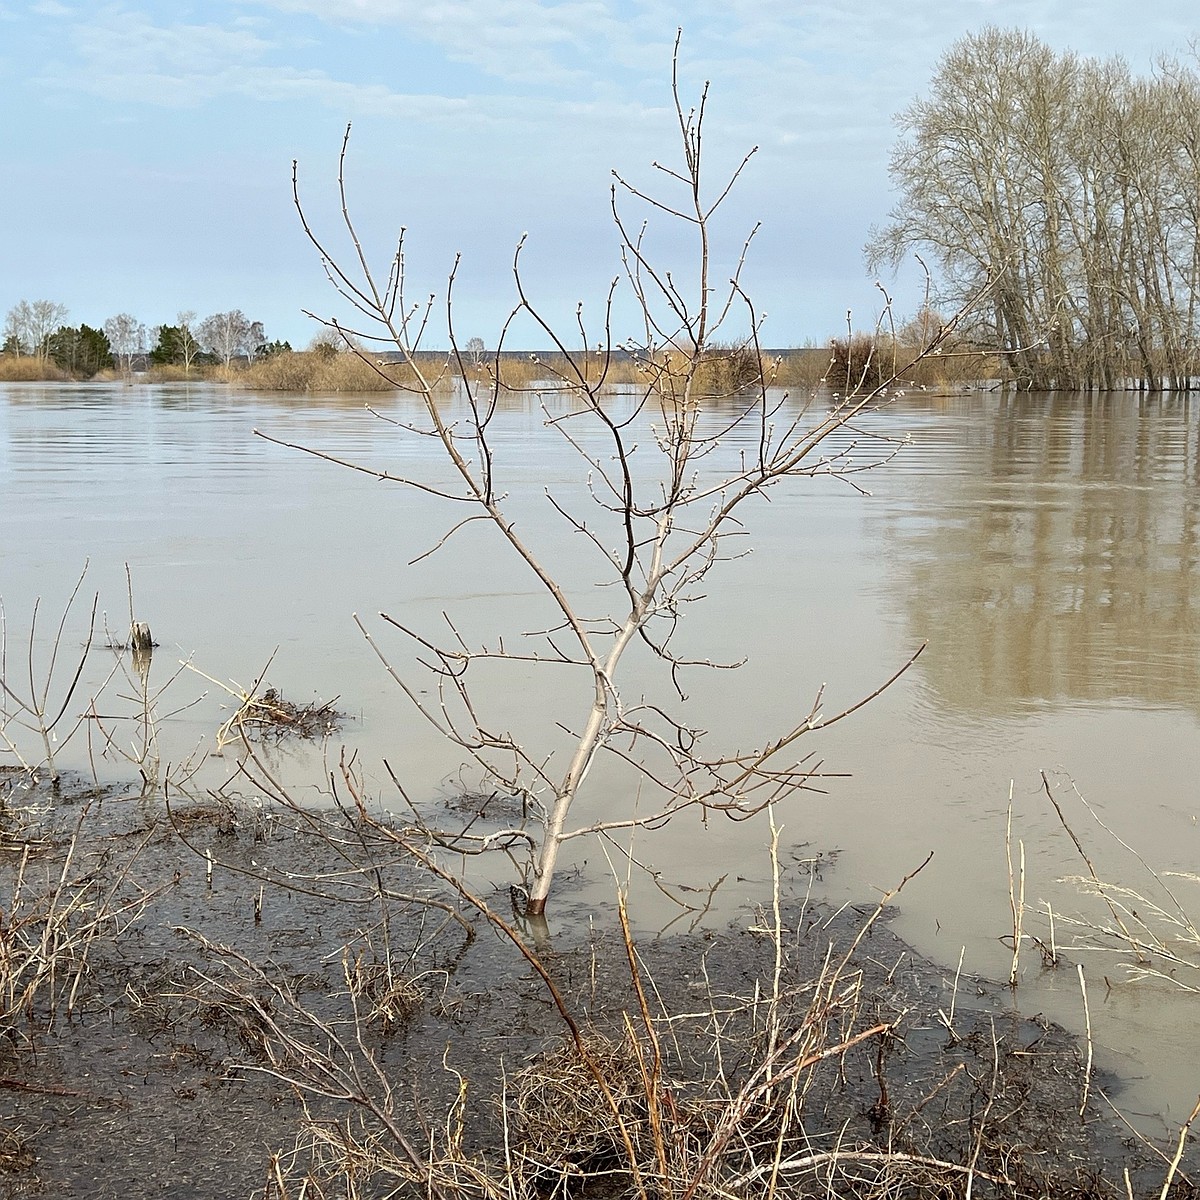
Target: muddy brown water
[1046,549]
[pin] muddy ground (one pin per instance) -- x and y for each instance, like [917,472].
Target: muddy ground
[180,991]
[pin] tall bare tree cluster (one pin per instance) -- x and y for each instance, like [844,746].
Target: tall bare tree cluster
[1074,187]
[28,326]
[230,334]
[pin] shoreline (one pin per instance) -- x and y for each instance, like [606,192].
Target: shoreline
[201,995]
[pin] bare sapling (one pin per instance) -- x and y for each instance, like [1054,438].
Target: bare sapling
[1087,1024]
[667,475]
[1016,895]
[132,735]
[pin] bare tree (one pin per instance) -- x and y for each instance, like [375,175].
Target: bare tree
[189,347]
[47,316]
[971,190]
[256,337]
[659,503]
[127,336]
[29,324]
[226,334]
[16,329]
[1073,185]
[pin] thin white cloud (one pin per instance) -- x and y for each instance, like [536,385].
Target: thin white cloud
[126,57]
[526,41]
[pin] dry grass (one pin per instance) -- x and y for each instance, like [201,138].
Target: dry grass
[15,1154]
[563,1123]
[1151,925]
[617,1110]
[747,1097]
[27,369]
[53,916]
[544,372]
[382,993]
[726,370]
[735,1095]
[307,371]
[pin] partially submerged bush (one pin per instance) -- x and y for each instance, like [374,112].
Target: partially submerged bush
[860,364]
[52,918]
[802,369]
[270,715]
[729,368]
[315,371]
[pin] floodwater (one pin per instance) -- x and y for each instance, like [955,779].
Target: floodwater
[1045,549]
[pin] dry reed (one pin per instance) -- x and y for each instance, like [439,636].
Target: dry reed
[308,371]
[177,373]
[862,362]
[26,368]
[1149,922]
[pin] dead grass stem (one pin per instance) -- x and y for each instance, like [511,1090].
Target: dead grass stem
[614,1107]
[1149,923]
[53,916]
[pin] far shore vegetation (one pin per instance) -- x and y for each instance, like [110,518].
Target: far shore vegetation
[228,348]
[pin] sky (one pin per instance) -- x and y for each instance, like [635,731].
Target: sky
[148,147]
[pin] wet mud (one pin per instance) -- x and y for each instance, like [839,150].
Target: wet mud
[227,977]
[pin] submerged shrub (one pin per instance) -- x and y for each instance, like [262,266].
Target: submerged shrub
[314,371]
[730,368]
[861,363]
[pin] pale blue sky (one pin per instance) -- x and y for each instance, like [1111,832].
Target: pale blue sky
[148,146]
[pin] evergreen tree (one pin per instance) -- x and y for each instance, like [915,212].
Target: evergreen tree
[83,351]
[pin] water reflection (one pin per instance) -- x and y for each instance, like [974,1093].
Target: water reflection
[1056,560]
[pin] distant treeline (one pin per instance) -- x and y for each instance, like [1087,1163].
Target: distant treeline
[858,365]
[36,343]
